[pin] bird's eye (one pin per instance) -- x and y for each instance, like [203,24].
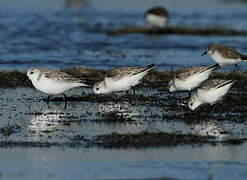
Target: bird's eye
[97,89]
[31,72]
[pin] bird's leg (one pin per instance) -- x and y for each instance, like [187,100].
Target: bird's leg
[127,92]
[237,67]
[65,97]
[174,95]
[48,105]
[133,91]
[48,98]
[65,105]
[83,93]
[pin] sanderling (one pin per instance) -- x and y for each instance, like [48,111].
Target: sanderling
[224,55]
[157,17]
[210,92]
[189,78]
[53,82]
[121,79]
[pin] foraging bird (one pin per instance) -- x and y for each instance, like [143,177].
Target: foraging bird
[189,78]
[210,92]
[121,79]
[52,82]
[224,55]
[157,17]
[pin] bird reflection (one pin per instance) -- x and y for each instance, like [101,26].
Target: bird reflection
[211,129]
[75,3]
[122,109]
[47,122]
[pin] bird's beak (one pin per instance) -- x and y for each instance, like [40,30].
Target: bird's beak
[25,79]
[204,53]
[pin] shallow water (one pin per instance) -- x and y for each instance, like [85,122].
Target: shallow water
[56,35]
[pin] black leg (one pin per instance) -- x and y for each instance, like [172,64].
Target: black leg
[48,105]
[65,97]
[48,98]
[133,91]
[237,67]
[65,105]
[174,95]
[127,92]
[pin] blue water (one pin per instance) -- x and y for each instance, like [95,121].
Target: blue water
[53,35]
[120,164]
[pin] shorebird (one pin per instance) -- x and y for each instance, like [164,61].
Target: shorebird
[157,17]
[224,55]
[189,78]
[210,92]
[53,82]
[121,79]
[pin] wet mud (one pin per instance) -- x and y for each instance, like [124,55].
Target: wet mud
[217,31]
[152,117]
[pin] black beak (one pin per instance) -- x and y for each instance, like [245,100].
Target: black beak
[25,79]
[204,53]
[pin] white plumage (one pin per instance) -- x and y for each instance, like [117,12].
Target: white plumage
[210,92]
[52,82]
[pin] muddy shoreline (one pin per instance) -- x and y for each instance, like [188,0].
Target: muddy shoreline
[186,30]
[125,141]
[154,79]
[152,93]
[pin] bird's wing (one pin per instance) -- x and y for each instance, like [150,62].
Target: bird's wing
[231,53]
[183,74]
[214,84]
[61,77]
[120,73]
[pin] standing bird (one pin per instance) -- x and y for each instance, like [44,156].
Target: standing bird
[189,78]
[224,55]
[121,79]
[157,17]
[210,92]
[52,82]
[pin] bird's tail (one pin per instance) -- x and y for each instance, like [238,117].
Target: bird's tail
[244,57]
[227,82]
[213,67]
[149,67]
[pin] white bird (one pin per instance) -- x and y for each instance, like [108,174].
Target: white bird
[189,78]
[121,79]
[210,92]
[52,82]
[224,55]
[157,17]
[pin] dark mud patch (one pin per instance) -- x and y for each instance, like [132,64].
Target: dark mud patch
[160,139]
[116,141]
[106,98]
[10,129]
[216,31]
[14,79]
[29,144]
[114,117]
